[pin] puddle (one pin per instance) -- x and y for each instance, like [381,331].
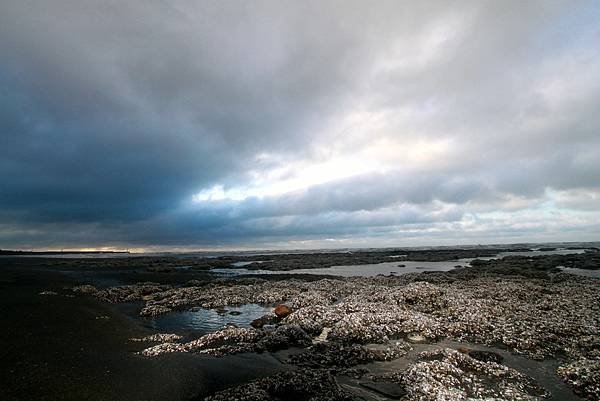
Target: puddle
[202,321]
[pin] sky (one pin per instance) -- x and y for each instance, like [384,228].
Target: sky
[297,124]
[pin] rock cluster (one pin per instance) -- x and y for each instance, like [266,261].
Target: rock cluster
[281,311]
[230,340]
[158,338]
[215,296]
[303,384]
[584,376]
[136,292]
[284,337]
[540,316]
[264,320]
[336,355]
[446,374]
[442,374]
[234,340]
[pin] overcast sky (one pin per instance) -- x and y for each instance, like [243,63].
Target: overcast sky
[205,124]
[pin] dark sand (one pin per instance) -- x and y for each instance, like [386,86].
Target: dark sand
[59,347]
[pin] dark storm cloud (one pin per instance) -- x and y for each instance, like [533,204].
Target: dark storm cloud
[114,114]
[109,89]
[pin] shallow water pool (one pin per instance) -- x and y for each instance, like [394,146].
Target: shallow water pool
[202,320]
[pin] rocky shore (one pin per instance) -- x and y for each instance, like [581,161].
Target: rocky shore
[340,327]
[305,260]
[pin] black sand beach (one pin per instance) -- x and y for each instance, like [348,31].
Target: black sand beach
[61,347]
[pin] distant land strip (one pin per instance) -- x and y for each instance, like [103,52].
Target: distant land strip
[13,252]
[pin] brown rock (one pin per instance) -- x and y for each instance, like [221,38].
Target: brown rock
[282,311]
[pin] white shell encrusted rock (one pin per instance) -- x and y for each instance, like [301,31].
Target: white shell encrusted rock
[536,317]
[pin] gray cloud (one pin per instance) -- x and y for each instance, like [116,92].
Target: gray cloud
[112,116]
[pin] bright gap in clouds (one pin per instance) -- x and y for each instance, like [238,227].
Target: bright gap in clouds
[290,178]
[381,155]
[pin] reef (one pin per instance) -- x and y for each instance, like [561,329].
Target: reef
[304,384]
[583,376]
[446,374]
[340,326]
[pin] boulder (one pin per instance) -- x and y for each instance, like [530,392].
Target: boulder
[282,311]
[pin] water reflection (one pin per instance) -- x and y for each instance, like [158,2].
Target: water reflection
[207,320]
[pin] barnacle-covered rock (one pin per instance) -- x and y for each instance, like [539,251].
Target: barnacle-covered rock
[284,337]
[163,348]
[230,340]
[235,340]
[303,384]
[337,355]
[229,336]
[539,316]
[159,338]
[583,376]
[446,374]
[155,310]
[264,320]
[129,293]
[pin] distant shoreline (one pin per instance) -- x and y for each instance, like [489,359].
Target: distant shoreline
[13,252]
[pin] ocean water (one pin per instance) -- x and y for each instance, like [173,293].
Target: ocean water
[367,270]
[400,266]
